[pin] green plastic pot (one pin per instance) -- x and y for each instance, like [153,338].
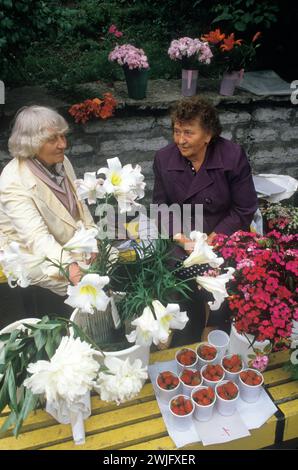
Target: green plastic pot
[136,81]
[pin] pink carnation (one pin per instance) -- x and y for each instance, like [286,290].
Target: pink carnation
[129,55]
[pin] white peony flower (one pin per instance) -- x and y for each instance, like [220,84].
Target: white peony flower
[83,241]
[217,286]
[88,294]
[169,317]
[147,329]
[17,265]
[202,252]
[90,188]
[125,183]
[122,381]
[69,374]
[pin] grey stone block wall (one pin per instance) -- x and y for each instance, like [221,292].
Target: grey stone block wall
[266,128]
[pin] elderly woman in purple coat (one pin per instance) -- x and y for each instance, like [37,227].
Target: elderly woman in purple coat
[202,168]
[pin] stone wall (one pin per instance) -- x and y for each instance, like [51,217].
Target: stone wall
[267,127]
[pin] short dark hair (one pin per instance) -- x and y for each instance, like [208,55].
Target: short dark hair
[197,107]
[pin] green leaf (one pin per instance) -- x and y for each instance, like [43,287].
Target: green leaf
[10,421]
[40,339]
[240,26]
[3,395]
[50,347]
[223,17]
[12,389]
[251,356]
[29,404]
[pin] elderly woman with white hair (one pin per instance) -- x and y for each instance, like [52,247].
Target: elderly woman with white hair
[39,208]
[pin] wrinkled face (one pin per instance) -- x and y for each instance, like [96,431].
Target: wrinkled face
[190,138]
[52,151]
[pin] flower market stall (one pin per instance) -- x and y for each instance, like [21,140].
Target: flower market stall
[56,363]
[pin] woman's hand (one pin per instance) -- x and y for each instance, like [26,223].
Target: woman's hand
[74,273]
[211,238]
[92,258]
[184,242]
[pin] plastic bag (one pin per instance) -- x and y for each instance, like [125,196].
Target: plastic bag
[275,188]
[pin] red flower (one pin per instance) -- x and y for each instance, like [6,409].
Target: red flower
[261,295]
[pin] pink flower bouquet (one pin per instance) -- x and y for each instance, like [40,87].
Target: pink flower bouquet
[188,48]
[130,56]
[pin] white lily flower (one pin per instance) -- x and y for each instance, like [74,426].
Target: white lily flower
[122,381]
[125,183]
[68,375]
[88,294]
[17,265]
[169,317]
[83,241]
[202,252]
[217,286]
[90,188]
[147,329]
[126,201]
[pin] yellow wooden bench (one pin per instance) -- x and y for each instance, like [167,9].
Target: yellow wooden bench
[138,425]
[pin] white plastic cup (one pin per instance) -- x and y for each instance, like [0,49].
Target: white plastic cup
[181,366]
[226,407]
[250,393]
[202,412]
[211,383]
[220,339]
[166,395]
[181,422]
[187,389]
[202,362]
[233,376]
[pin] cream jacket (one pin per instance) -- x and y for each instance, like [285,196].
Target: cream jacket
[33,216]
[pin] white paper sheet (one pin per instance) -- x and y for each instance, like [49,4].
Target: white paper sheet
[254,415]
[221,429]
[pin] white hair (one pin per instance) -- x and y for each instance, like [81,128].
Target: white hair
[34,126]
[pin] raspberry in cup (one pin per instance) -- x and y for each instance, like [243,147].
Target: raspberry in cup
[167,385]
[190,379]
[186,358]
[250,385]
[212,374]
[233,365]
[227,394]
[204,399]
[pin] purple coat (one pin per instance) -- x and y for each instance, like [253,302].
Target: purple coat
[224,185]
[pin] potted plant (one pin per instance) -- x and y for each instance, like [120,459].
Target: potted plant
[192,53]
[261,295]
[234,56]
[135,66]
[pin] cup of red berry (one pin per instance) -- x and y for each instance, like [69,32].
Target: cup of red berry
[227,394]
[212,374]
[186,358]
[232,365]
[207,354]
[250,385]
[204,399]
[190,379]
[167,385]
[181,408]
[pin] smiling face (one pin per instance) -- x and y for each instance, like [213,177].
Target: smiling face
[191,139]
[52,151]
